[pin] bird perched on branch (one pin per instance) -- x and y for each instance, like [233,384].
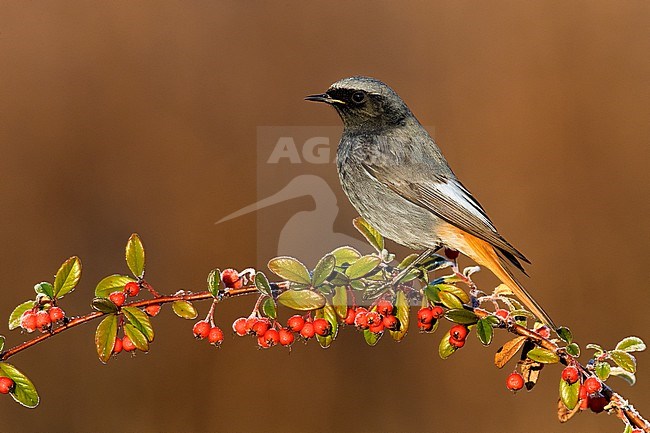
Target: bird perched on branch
[398,180]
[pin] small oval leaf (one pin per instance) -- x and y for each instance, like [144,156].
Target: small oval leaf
[328,313]
[603,369]
[269,308]
[135,255]
[323,269]
[569,393]
[508,350]
[450,300]
[67,277]
[104,305]
[340,301]
[372,338]
[402,314]
[461,316]
[110,284]
[302,300]
[345,255]
[105,336]
[450,288]
[362,267]
[290,269]
[631,344]
[44,288]
[484,331]
[24,391]
[184,310]
[624,360]
[17,313]
[369,232]
[137,337]
[140,320]
[214,282]
[262,284]
[543,356]
[445,349]
[565,334]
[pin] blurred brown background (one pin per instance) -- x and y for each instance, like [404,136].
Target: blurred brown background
[141,116]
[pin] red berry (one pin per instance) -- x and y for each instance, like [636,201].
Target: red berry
[295,323]
[286,337]
[637,430]
[152,310]
[544,331]
[6,385]
[249,324]
[515,381]
[215,336]
[127,344]
[426,327]
[262,342]
[458,332]
[239,326]
[451,254]
[570,375]
[117,347]
[597,403]
[272,337]
[307,330]
[384,307]
[43,321]
[584,397]
[437,312]
[56,314]
[373,318]
[322,327]
[503,314]
[391,323]
[132,288]
[456,343]
[593,385]
[260,327]
[376,329]
[230,278]
[201,329]
[28,321]
[117,298]
[361,320]
[349,318]
[425,315]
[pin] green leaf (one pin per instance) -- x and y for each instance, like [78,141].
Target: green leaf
[368,232]
[105,337]
[15,316]
[44,288]
[371,338]
[140,320]
[599,350]
[602,369]
[290,269]
[625,375]
[402,314]
[631,344]
[2,342]
[432,293]
[508,350]
[323,269]
[328,313]
[302,300]
[569,393]
[450,300]
[214,282]
[269,308]
[407,261]
[110,284]
[445,349]
[624,360]
[461,316]
[340,302]
[573,349]
[628,429]
[565,334]
[135,255]
[67,277]
[450,288]
[184,310]
[104,305]
[345,255]
[24,391]
[543,356]
[362,267]
[262,284]
[137,337]
[484,331]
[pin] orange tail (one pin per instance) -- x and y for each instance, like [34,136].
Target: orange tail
[485,255]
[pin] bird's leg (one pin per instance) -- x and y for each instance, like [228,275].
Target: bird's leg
[421,258]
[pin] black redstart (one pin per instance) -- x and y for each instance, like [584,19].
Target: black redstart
[398,180]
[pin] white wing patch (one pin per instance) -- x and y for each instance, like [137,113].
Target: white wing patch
[458,194]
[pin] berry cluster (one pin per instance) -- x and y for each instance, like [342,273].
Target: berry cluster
[42,320]
[204,330]
[270,334]
[375,320]
[428,317]
[131,289]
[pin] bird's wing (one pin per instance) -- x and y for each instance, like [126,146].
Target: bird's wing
[447,198]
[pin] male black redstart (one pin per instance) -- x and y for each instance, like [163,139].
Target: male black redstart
[396,177]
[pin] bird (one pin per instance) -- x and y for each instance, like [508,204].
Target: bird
[397,178]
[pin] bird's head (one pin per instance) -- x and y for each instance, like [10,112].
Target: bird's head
[365,103]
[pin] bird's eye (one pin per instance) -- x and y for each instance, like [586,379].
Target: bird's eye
[358,97]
